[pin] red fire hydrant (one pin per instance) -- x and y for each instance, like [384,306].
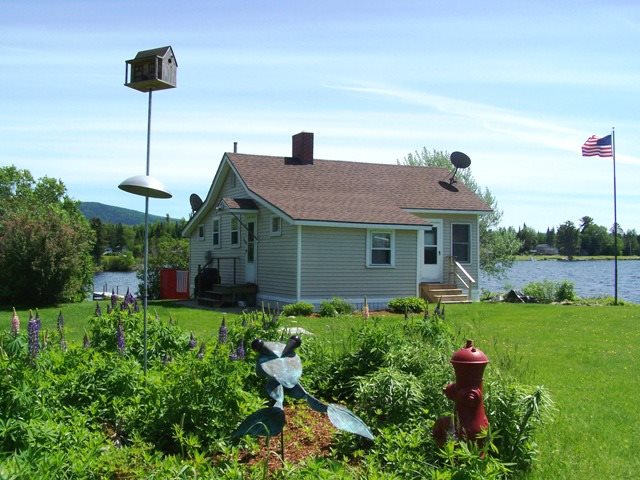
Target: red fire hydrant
[469,417]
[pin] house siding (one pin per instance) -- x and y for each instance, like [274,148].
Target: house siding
[334,264]
[201,249]
[277,260]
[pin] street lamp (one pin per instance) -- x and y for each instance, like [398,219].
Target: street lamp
[150,70]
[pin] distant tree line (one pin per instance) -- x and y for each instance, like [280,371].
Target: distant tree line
[585,239]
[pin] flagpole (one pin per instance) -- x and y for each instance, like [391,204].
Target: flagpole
[615,219]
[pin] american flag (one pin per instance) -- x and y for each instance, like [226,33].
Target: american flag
[597,147]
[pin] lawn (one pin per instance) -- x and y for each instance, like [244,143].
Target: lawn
[587,358]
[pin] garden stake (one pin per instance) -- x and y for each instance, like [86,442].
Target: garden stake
[282,368]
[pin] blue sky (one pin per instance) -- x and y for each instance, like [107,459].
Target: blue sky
[518,86]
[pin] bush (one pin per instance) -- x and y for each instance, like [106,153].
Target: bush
[407,304]
[334,307]
[118,263]
[298,308]
[549,291]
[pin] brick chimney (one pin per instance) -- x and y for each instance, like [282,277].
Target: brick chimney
[302,148]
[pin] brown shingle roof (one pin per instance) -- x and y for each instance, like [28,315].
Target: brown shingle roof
[353,192]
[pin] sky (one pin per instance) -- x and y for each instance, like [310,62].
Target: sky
[517,86]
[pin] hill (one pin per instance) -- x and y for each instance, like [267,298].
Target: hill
[111,214]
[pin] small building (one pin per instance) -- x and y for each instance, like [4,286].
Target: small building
[545,249]
[302,229]
[153,69]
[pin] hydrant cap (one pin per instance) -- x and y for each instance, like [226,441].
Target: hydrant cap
[469,354]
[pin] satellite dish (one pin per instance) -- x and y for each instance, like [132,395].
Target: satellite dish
[195,201]
[458,160]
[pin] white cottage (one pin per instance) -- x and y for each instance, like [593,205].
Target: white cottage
[287,229]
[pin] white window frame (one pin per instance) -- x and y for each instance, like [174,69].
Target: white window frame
[201,232]
[278,231]
[216,233]
[235,244]
[392,248]
[468,225]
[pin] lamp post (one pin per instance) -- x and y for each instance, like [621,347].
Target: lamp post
[150,70]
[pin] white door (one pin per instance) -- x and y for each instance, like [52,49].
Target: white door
[431,261]
[252,252]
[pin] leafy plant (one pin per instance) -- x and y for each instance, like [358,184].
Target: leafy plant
[298,308]
[407,305]
[334,307]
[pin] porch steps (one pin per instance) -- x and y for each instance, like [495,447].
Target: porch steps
[442,292]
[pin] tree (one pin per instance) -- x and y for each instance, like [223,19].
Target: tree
[498,247]
[529,238]
[550,238]
[568,239]
[595,240]
[631,244]
[45,242]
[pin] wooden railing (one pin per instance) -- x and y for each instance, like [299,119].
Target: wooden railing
[457,271]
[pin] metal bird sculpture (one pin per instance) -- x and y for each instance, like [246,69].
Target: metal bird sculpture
[281,367]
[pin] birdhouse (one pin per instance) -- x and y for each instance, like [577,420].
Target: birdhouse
[152,70]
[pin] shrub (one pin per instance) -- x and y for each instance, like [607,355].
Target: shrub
[565,291]
[334,307]
[549,291]
[407,304]
[298,308]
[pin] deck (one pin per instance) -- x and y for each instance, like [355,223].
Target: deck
[228,294]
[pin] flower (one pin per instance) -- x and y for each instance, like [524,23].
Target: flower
[33,336]
[60,322]
[192,341]
[120,338]
[222,331]
[86,343]
[240,353]
[98,312]
[15,323]
[201,351]
[114,299]
[365,309]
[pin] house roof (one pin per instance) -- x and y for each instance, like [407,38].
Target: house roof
[240,203]
[353,192]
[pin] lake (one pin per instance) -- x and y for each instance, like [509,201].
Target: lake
[591,278]
[118,281]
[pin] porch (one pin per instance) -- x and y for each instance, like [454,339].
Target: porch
[211,291]
[453,290]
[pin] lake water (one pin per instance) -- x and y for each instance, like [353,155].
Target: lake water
[590,278]
[118,281]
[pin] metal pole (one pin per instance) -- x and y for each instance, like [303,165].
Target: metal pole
[146,243]
[615,220]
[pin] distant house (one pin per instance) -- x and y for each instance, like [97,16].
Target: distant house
[545,249]
[302,229]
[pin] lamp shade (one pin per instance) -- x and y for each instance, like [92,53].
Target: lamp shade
[145,186]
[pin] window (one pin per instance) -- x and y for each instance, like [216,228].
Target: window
[380,248]
[461,242]
[216,232]
[235,232]
[200,232]
[276,226]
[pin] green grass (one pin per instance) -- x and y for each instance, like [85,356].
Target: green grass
[586,356]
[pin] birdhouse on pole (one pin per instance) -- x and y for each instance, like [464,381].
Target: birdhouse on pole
[152,70]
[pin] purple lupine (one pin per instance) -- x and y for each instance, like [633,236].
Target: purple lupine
[222,331]
[60,322]
[200,355]
[240,353]
[33,330]
[120,338]
[114,299]
[98,312]
[86,343]
[15,323]
[128,298]
[192,342]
